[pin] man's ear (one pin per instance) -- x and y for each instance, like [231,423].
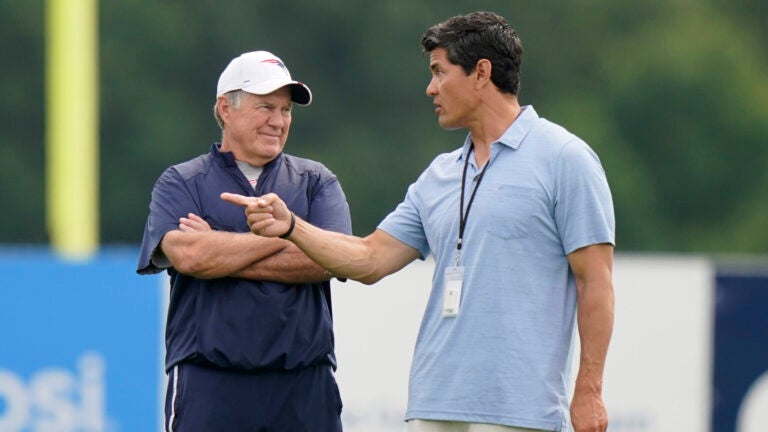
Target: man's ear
[483,71]
[223,107]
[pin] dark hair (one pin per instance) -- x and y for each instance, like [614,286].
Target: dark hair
[480,35]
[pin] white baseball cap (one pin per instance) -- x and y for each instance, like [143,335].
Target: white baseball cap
[261,72]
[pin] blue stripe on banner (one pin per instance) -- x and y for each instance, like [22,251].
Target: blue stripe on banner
[741,352]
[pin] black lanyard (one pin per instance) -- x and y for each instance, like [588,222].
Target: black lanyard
[462,214]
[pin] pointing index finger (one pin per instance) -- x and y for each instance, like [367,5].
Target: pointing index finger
[240,200]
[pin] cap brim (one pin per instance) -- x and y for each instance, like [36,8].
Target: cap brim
[300,93]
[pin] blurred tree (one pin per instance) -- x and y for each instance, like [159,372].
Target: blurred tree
[21,123]
[672,96]
[689,96]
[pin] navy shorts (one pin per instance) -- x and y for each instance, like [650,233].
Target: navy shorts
[200,399]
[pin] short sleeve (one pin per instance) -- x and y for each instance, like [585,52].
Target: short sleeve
[405,222]
[171,200]
[329,209]
[583,202]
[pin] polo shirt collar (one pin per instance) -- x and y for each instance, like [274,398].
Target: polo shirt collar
[516,132]
[227,158]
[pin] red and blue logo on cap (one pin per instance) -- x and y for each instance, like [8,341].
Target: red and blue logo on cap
[276,62]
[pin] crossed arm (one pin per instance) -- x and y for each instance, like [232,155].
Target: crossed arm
[366,260]
[197,250]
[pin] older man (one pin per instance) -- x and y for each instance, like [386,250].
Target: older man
[249,336]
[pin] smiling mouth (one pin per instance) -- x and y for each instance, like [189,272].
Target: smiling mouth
[270,135]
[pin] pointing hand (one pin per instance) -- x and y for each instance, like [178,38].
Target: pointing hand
[267,215]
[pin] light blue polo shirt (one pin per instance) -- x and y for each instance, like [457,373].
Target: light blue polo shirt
[504,359]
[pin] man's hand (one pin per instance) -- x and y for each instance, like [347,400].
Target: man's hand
[193,222]
[267,215]
[588,413]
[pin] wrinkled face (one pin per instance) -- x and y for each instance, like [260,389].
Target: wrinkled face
[451,90]
[257,130]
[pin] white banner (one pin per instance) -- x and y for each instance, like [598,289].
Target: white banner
[658,373]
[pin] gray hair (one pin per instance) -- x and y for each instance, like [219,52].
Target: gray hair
[234,97]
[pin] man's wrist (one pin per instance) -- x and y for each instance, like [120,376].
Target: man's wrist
[290,228]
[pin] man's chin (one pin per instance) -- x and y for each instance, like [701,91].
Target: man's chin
[447,124]
[271,147]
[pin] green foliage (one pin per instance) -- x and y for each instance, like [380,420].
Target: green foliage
[673,96]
